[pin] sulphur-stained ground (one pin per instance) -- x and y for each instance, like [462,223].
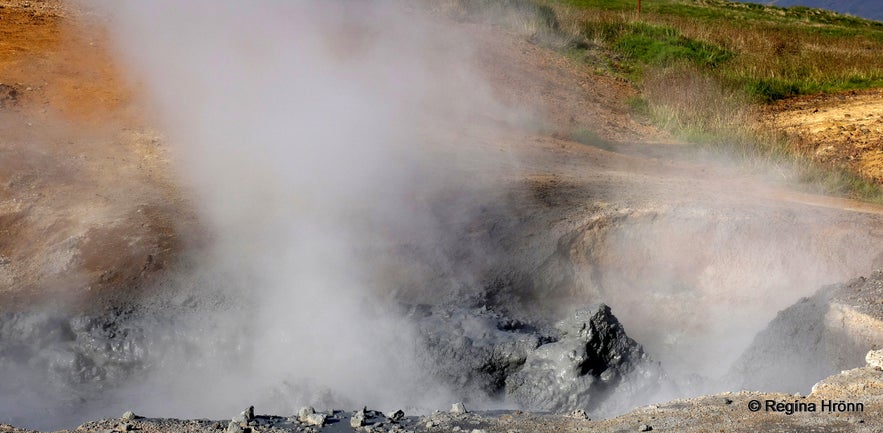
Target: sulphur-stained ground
[844,129]
[87,202]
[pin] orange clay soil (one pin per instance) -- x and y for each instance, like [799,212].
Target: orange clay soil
[87,204]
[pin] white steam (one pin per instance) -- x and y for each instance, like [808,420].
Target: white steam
[313,135]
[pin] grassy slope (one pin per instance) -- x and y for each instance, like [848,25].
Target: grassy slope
[705,66]
[770,52]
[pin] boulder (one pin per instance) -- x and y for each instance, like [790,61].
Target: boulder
[593,366]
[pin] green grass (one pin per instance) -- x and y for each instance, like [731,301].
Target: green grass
[662,45]
[591,138]
[639,105]
[768,52]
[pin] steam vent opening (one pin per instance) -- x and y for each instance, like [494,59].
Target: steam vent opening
[352,215]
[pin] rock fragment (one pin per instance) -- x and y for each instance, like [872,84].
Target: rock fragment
[645,427]
[458,409]
[245,416]
[128,416]
[234,427]
[249,413]
[395,415]
[315,419]
[874,359]
[304,412]
[579,414]
[358,418]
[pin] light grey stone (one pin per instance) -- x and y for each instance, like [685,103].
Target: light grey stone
[358,418]
[874,359]
[315,419]
[458,409]
[234,427]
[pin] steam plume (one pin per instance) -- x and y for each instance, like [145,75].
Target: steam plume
[315,135]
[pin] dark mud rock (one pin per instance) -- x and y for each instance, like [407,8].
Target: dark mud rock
[593,366]
[71,365]
[76,350]
[473,350]
[396,415]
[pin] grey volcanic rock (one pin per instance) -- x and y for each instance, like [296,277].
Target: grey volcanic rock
[358,418]
[586,362]
[63,360]
[818,336]
[458,409]
[315,419]
[874,359]
[74,365]
[304,412]
[245,416]
[787,355]
[395,415]
[594,366]
[234,427]
[473,350]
